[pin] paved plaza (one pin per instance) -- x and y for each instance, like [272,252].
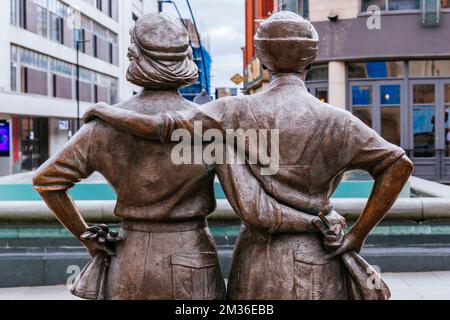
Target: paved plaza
[404,286]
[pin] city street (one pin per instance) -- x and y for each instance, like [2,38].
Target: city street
[404,286]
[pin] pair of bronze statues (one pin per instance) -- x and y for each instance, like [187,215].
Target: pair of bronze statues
[292,243]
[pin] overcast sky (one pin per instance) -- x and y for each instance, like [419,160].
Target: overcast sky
[223,22]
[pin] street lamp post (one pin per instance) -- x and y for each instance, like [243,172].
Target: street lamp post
[78,42]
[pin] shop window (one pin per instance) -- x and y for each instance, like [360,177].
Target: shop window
[390,94]
[424,120]
[322,94]
[365,4]
[429,68]
[317,73]
[390,124]
[375,69]
[424,130]
[362,103]
[298,6]
[361,95]
[391,5]
[404,4]
[447,118]
[423,93]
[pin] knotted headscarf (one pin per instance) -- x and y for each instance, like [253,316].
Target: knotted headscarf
[161,54]
[286,42]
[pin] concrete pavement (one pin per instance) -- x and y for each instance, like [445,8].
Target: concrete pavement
[404,286]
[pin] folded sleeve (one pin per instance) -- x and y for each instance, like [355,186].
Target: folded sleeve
[68,166]
[196,120]
[367,150]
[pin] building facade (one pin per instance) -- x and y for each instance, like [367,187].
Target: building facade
[38,70]
[388,62]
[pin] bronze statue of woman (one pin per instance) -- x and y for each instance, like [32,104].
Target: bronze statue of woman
[167,251]
[318,143]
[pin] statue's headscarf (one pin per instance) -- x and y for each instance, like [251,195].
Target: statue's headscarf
[163,56]
[286,42]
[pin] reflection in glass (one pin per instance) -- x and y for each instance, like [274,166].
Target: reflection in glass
[364,114]
[390,94]
[322,94]
[317,72]
[447,92]
[423,93]
[445,3]
[362,95]
[429,68]
[390,124]
[375,69]
[447,131]
[367,3]
[404,4]
[424,131]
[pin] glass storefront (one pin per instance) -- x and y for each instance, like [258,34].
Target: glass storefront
[317,81]
[410,111]
[392,5]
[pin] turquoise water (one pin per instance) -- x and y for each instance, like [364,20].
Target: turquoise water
[25,192]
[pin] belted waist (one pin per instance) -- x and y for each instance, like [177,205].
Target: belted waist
[164,227]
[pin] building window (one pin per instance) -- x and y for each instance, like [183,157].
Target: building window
[375,69]
[14,12]
[111,55]
[429,68]
[18,13]
[13,76]
[318,73]
[391,5]
[298,6]
[110,8]
[33,70]
[445,4]
[56,28]
[95,45]
[41,21]
[317,81]
[98,4]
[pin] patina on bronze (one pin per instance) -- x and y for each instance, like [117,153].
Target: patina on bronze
[318,144]
[166,249]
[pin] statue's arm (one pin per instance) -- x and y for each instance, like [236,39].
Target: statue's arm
[60,173]
[388,185]
[144,126]
[258,209]
[161,126]
[65,211]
